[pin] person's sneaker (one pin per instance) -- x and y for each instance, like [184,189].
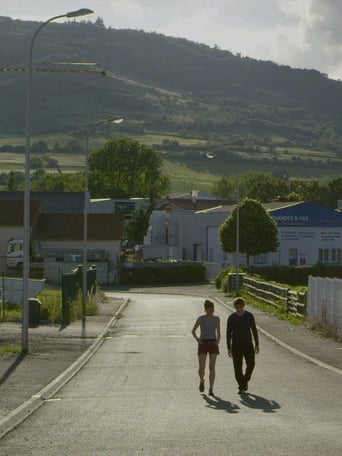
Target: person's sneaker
[211,392]
[241,390]
[201,387]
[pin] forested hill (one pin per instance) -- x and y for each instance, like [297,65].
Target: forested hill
[161,84]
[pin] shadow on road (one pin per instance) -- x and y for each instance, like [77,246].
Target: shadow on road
[217,403]
[258,402]
[12,367]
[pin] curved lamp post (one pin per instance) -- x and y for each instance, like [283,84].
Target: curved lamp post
[91,129]
[26,262]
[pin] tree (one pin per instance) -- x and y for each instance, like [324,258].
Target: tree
[39,147]
[257,230]
[42,181]
[137,226]
[225,188]
[264,187]
[123,168]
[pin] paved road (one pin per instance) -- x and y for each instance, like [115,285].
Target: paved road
[139,395]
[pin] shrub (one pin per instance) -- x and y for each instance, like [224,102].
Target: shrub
[162,273]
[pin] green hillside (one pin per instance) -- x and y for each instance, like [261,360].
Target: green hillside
[244,113]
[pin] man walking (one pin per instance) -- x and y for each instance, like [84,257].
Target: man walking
[240,328]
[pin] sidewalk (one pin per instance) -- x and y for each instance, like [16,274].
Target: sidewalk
[52,350]
[55,354]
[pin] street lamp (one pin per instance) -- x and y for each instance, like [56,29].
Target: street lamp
[26,260]
[91,129]
[237,237]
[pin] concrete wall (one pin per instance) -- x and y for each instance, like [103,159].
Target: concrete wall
[53,271]
[12,289]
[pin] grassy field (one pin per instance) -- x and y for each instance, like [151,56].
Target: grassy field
[197,172]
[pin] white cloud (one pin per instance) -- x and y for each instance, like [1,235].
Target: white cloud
[130,9]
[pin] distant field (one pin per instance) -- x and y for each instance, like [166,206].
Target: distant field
[186,175]
[200,172]
[10,161]
[49,139]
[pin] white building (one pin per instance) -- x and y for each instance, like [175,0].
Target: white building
[307,234]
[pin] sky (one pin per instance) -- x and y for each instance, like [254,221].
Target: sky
[298,33]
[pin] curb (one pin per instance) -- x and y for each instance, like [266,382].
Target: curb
[18,415]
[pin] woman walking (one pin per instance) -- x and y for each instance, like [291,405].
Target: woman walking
[208,342]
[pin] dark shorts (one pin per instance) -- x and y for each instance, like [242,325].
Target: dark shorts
[208,346]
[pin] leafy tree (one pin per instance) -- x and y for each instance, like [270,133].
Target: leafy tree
[36,162]
[137,226]
[123,167]
[334,192]
[72,146]
[99,22]
[50,162]
[264,187]
[225,187]
[39,147]
[257,230]
[43,181]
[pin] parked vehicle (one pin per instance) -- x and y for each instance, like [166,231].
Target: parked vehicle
[15,254]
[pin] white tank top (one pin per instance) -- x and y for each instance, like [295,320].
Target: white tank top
[208,327]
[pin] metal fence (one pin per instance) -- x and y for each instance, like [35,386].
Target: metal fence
[324,303]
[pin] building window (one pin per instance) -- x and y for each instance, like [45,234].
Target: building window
[330,255]
[293,257]
[339,255]
[326,255]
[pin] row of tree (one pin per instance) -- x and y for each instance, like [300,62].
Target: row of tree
[266,187]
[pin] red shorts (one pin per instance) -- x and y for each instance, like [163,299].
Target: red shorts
[208,346]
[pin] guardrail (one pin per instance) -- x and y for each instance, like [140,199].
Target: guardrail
[287,300]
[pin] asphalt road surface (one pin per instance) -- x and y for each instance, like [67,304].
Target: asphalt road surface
[138,395]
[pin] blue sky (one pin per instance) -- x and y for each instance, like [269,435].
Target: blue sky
[299,33]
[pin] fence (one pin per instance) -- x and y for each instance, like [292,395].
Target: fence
[72,284]
[293,302]
[324,303]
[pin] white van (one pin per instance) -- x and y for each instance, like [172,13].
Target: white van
[15,253]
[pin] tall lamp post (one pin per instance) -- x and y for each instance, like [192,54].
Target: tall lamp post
[91,129]
[237,237]
[26,260]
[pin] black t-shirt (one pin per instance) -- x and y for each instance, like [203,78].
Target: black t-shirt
[240,329]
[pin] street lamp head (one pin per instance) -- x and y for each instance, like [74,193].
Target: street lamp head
[80,12]
[114,119]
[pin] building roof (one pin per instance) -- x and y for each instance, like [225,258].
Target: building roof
[69,227]
[229,208]
[12,213]
[51,202]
